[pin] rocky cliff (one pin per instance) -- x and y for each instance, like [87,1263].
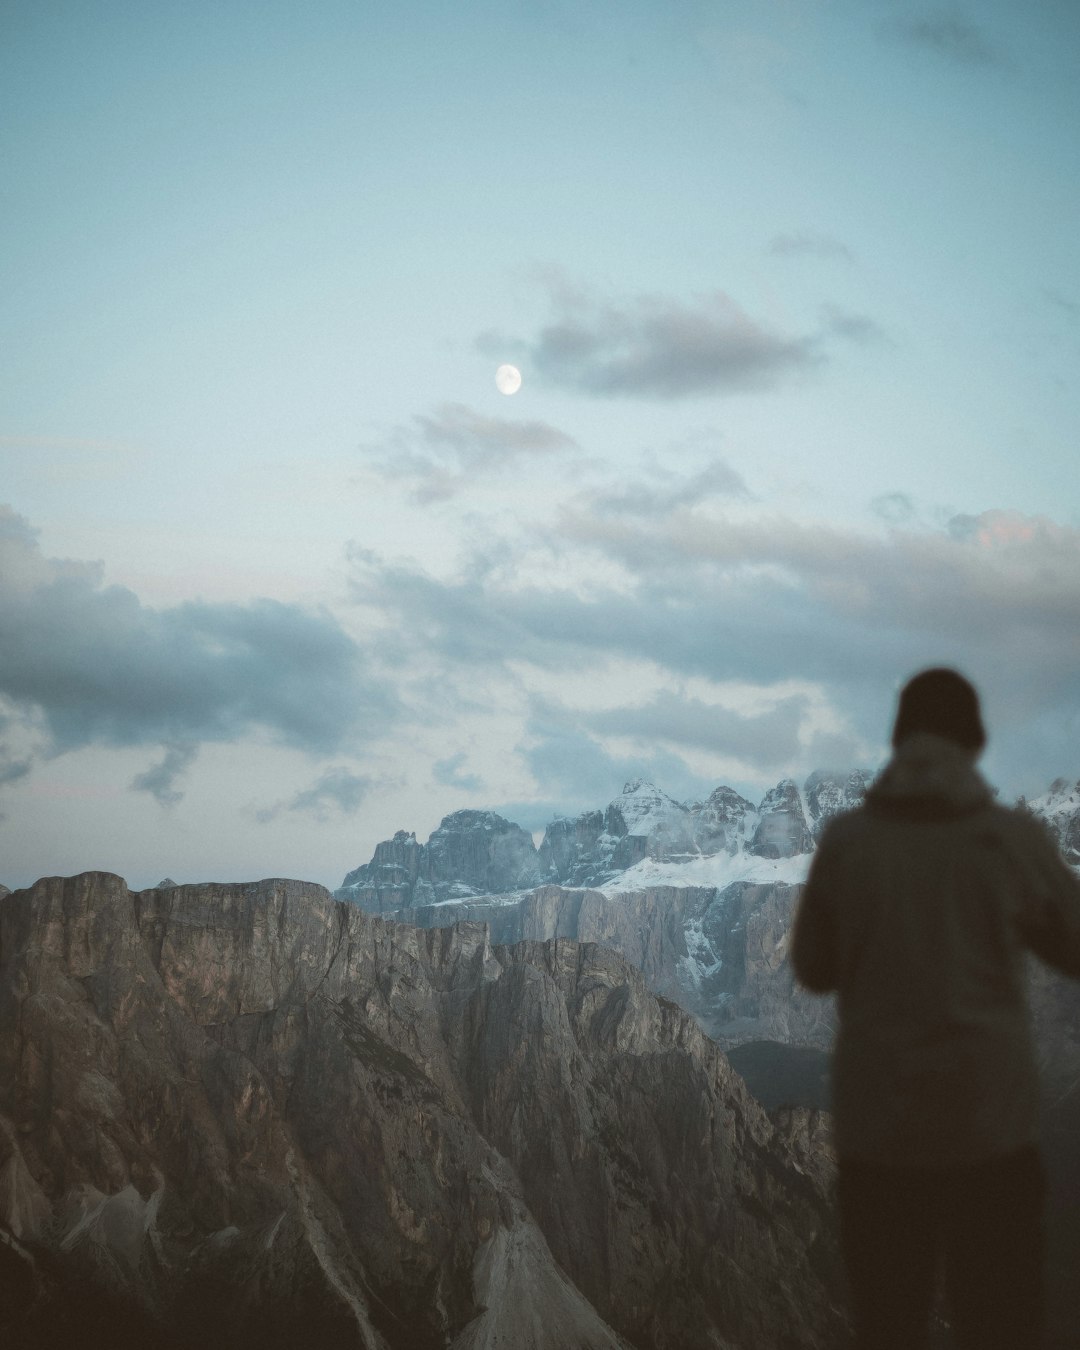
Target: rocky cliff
[476,853]
[705,911]
[251,1115]
[471,853]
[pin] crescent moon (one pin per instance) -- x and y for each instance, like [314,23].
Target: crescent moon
[508,379]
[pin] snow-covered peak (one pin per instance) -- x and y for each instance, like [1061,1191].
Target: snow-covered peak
[1062,799]
[1060,809]
[644,809]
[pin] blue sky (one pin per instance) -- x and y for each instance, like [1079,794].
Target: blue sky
[794,291]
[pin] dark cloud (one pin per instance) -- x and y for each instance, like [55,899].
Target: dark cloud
[947,35]
[656,347]
[92,665]
[808,244]
[444,453]
[448,773]
[763,740]
[337,791]
[766,600]
[160,779]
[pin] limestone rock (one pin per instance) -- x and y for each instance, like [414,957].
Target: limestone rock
[249,1114]
[1060,810]
[829,794]
[783,829]
[721,821]
[471,853]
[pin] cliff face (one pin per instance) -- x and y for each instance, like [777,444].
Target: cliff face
[476,853]
[719,953]
[471,853]
[250,1112]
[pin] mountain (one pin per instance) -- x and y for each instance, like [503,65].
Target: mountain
[240,1115]
[697,895]
[471,853]
[1060,809]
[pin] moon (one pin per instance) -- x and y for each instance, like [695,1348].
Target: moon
[508,379]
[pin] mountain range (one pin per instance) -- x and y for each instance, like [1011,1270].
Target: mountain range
[468,1103]
[250,1115]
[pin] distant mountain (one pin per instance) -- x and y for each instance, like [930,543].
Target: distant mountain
[475,853]
[471,853]
[244,1115]
[698,895]
[1060,809]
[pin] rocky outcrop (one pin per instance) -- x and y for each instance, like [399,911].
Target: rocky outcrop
[1060,810]
[829,794]
[570,848]
[471,853]
[719,953]
[250,1115]
[783,829]
[721,821]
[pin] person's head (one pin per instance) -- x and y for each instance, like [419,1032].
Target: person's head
[942,702]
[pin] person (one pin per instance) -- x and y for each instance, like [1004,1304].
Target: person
[918,910]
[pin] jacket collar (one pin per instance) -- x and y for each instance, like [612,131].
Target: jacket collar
[929,776]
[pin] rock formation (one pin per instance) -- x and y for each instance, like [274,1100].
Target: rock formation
[471,853]
[1060,809]
[250,1115]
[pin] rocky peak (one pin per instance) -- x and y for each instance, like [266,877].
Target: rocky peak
[721,821]
[830,794]
[471,853]
[1060,809]
[570,848]
[783,830]
[640,808]
[247,1115]
[482,853]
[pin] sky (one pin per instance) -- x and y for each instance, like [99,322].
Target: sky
[794,290]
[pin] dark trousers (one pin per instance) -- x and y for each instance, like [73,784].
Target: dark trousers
[983,1225]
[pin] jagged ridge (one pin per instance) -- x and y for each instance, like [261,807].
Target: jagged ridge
[249,1112]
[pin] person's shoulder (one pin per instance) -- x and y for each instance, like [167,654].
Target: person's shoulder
[1021,829]
[843,826]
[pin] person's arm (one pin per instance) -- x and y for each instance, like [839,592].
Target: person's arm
[1051,921]
[813,947]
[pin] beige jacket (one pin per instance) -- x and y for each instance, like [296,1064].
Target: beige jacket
[919,909]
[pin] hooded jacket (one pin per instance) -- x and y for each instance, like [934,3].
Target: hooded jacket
[919,909]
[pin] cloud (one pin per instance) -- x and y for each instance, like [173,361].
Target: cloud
[809,244]
[159,780]
[895,508]
[653,346]
[448,773]
[92,665]
[337,790]
[858,328]
[949,36]
[764,739]
[448,451]
[574,772]
[765,600]
[662,491]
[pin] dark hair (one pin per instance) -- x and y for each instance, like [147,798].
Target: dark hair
[940,701]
